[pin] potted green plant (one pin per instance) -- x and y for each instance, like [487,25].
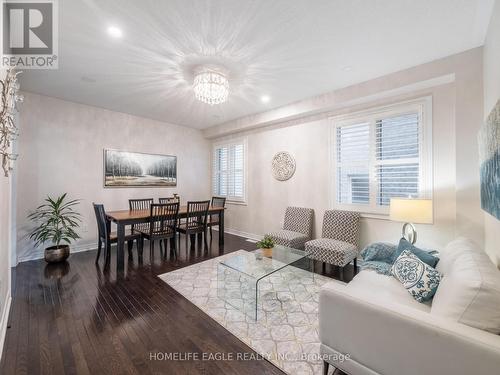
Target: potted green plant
[266,245]
[57,222]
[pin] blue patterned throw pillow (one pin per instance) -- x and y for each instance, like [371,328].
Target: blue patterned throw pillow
[424,256]
[419,279]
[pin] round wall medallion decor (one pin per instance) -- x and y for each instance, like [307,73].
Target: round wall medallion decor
[283,166]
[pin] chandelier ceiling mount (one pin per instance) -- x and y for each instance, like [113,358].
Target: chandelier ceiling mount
[211,85]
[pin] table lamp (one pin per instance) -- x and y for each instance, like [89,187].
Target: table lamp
[411,211]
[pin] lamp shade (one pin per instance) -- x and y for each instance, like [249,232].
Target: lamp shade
[417,211]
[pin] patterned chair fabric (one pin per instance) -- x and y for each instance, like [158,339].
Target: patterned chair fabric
[338,253]
[339,245]
[299,219]
[297,228]
[288,238]
[341,226]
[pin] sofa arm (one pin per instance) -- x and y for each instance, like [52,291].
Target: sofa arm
[395,339]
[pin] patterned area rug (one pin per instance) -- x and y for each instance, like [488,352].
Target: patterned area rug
[286,332]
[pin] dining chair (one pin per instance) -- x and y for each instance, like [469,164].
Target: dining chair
[162,225]
[195,221]
[214,218]
[169,200]
[173,199]
[140,205]
[106,237]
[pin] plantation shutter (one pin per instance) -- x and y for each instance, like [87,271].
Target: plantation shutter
[397,157]
[380,156]
[353,156]
[220,168]
[229,171]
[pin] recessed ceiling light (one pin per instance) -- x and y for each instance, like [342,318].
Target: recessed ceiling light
[115,32]
[265,98]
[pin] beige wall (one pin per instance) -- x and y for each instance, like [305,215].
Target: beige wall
[456,88]
[5,225]
[61,150]
[491,96]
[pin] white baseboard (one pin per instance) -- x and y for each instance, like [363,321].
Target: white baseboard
[74,249]
[240,233]
[5,321]
[38,254]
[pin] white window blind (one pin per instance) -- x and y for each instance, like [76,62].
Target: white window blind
[397,157]
[353,155]
[229,171]
[380,155]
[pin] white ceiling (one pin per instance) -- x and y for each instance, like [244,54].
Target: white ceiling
[287,49]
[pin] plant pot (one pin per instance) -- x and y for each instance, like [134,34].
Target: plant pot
[55,254]
[268,253]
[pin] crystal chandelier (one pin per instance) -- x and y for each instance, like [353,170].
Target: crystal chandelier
[211,87]
[9,88]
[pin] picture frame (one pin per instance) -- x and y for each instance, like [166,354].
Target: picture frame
[127,169]
[489,158]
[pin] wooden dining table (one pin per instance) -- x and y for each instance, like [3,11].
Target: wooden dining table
[123,218]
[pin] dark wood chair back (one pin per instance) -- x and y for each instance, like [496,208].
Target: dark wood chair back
[140,204]
[163,218]
[100,215]
[196,214]
[169,200]
[218,202]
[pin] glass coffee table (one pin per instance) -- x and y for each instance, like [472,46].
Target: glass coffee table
[239,276]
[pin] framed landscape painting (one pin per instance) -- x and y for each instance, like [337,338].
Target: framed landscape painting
[489,157]
[135,169]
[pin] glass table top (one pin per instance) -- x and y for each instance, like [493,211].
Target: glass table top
[260,263]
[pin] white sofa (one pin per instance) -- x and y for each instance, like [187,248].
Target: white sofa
[373,326]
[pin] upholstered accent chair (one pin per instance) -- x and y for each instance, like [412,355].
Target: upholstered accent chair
[339,242]
[297,228]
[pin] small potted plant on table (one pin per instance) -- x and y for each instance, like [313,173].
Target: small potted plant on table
[57,222]
[266,245]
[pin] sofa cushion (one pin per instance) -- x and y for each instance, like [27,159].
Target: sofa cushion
[386,289]
[419,279]
[469,292]
[452,251]
[423,255]
[331,251]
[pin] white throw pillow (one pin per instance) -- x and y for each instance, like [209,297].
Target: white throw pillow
[452,251]
[419,279]
[469,292]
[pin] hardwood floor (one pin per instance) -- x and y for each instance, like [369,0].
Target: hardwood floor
[76,318]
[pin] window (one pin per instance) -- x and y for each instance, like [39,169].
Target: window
[228,171]
[382,154]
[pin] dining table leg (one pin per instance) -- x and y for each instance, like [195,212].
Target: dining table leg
[120,259]
[221,228]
